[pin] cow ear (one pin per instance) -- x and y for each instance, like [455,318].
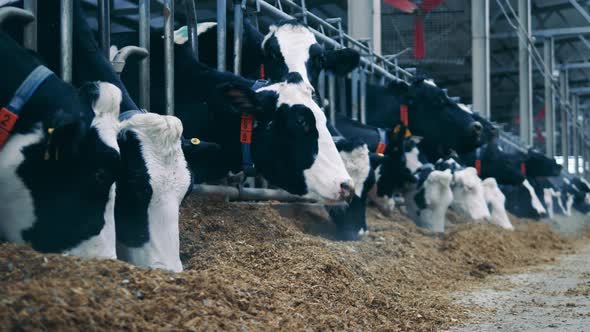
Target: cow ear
[341,62]
[376,159]
[66,140]
[196,150]
[244,100]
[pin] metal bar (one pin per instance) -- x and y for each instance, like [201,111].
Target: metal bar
[549,99]
[575,138]
[332,94]
[343,110]
[354,95]
[525,74]
[238,30]
[563,83]
[144,65]
[221,33]
[191,24]
[577,65]
[30,32]
[66,33]
[363,96]
[104,26]
[322,89]
[480,28]
[581,10]
[561,32]
[248,194]
[168,12]
[580,91]
[331,42]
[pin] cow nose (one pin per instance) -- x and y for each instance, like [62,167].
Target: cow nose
[346,191]
[477,128]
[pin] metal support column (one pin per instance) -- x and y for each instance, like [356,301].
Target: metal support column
[525,74]
[549,99]
[144,65]
[332,94]
[564,92]
[66,17]
[363,96]
[575,138]
[104,26]
[221,33]
[343,107]
[30,32]
[322,89]
[377,26]
[169,54]
[354,95]
[191,24]
[480,64]
[238,29]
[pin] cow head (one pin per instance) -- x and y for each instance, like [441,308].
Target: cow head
[291,145]
[496,204]
[428,203]
[433,115]
[290,46]
[523,202]
[496,164]
[537,164]
[61,180]
[155,178]
[392,173]
[468,191]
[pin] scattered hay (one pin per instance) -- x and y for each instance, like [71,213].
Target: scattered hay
[249,268]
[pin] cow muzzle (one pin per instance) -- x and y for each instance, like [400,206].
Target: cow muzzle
[476,128]
[346,191]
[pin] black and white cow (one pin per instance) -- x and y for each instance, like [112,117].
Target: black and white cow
[290,146]
[428,200]
[431,114]
[351,218]
[577,194]
[154,180]
[468,191]
[59,165]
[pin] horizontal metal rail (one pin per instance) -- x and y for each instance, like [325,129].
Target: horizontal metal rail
[249,194]
[369,63]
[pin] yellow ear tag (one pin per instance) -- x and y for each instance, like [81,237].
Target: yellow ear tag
[408,133]
[380,154]
[396,129]
[50,130]
[195,141]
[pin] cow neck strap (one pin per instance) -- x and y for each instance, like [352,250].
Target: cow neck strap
[9,114]
[262,71]
[382,142]
[403,114]
[523,168]
[478,159]
[246,127]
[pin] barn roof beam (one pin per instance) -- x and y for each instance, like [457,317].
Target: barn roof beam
[546,33]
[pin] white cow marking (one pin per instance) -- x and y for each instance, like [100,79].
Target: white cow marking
[535,202]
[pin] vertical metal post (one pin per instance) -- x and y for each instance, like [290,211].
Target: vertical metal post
[363,96]
[66,17]
[549,98]
[563,83]
[238,29]
[525,73]
[322,88]
[480,64]
[575,138]
[221,33]
[332,94]
[30,33]
[354,95]
[342,95]
[191,24]
[377,26]
[144,65]
[104,26]
[169,54]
